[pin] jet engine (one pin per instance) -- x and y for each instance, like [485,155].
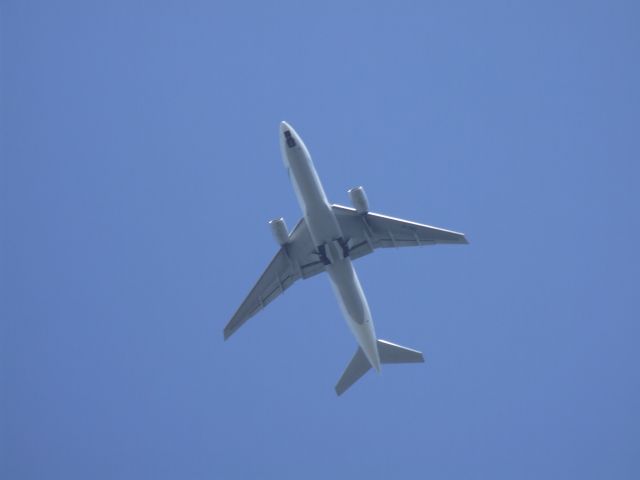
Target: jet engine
[359,200]
[279,230]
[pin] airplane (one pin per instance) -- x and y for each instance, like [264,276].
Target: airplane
[327,239]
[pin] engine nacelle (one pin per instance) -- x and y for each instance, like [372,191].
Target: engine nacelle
[279,230]
[359,200]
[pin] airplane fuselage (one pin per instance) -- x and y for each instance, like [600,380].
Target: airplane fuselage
[330,244]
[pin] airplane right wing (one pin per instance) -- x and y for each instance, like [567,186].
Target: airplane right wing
[296,259]
[368,231]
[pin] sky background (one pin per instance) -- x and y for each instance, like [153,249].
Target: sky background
[140,165]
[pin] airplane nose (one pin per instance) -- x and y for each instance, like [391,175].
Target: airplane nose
[288,134]
[284,126]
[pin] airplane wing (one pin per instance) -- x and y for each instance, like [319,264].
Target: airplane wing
[296,259]
[366,232]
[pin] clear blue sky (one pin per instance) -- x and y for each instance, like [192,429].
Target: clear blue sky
[139,167]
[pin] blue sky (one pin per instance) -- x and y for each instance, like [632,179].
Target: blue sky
[140,165]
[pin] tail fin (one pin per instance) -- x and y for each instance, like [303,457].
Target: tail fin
[389,353]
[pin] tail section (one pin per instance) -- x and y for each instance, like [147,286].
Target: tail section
[392,353]
[389,353]
[358,366]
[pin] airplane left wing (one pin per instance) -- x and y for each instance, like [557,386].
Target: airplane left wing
[296,259]
[368,231]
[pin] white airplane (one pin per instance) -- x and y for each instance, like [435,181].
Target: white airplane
[328,238]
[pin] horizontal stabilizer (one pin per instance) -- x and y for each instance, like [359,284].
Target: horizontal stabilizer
[358,366]
[392,353]
[388,352]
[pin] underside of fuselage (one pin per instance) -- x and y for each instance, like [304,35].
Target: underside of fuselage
[331,247]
